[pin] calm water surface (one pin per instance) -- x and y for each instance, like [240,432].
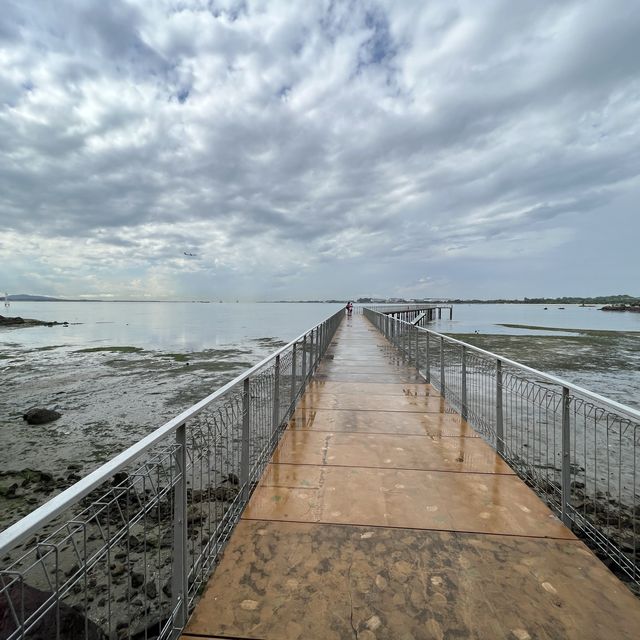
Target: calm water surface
[186,327]
[488,318]
[168,326]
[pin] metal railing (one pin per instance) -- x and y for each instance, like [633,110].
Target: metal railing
[125,552]
[578,450]
[410,306]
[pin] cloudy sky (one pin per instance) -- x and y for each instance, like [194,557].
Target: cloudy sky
[319,148]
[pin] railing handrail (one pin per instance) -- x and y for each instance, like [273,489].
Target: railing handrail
[29,524]
[632,413]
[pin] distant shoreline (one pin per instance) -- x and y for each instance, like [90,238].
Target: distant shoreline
[598,300]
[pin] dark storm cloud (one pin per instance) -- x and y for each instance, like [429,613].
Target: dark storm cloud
[282,139]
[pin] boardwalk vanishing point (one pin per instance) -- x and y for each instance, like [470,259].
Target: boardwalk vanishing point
[383,514]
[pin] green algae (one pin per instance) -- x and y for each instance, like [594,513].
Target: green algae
[110,350]
[585,332]
[178,357]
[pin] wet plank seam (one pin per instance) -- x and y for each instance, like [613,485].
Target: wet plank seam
[509,474]
[434,411]
[462,532]
[381,433]
[206,636]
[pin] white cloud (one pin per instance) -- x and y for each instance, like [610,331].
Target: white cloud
[287,143]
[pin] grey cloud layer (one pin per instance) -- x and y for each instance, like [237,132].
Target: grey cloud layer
[278,139]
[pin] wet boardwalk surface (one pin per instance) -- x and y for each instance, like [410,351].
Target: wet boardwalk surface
[383,515]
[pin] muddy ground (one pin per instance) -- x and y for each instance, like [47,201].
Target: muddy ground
[109,398]
[606,362]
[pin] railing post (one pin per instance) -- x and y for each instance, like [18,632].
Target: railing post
[180,560]
[304,360]
[428,364]
[312,360]
[566,458]
[499,416]
[417,350]
[244,451]
[407,341]
[464,383]
[443,392]
[293,375]
[404,341]
[276,395]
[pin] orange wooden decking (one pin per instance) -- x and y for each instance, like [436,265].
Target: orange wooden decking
[383,515]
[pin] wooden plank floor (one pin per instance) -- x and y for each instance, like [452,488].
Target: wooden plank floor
[383,515]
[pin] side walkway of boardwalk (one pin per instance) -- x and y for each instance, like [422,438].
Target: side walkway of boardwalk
[383,515]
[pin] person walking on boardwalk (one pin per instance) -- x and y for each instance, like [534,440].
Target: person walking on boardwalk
[349,307]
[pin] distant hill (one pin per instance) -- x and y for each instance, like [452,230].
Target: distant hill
[25,297]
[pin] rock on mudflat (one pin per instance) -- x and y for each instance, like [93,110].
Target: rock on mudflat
[72,622]
[40,416]
[232,478]
[17,321]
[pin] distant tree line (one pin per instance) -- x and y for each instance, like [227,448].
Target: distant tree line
[617,299]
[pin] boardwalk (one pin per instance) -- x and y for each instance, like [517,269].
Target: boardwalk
[384,515]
